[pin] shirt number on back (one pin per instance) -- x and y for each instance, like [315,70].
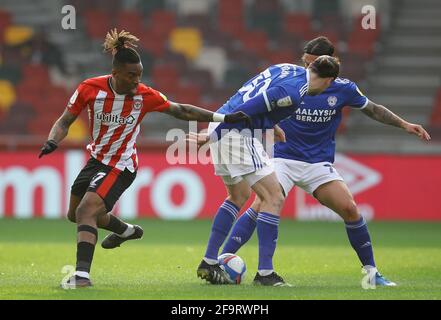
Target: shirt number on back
[342,81]
[257,86]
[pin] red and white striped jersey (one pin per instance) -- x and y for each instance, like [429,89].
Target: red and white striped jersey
[114,119]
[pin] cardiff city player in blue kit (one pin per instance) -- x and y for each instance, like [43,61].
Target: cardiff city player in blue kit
[241,161]
[305,159]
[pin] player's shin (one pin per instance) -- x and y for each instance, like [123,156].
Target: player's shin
[114,224]
[360,240]
[267,233]
[86,240]
[242,231]
[223,221]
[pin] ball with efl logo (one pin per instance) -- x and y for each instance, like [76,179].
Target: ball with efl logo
[234,267]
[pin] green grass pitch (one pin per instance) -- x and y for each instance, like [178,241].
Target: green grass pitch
[313,256]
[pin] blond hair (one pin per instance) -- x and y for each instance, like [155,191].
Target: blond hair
[117,40]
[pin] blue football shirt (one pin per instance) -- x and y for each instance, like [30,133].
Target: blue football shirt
[269,97]
[310,132]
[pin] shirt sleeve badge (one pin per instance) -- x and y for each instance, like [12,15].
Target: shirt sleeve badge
[284,102]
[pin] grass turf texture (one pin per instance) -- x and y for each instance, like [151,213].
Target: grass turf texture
[313,256]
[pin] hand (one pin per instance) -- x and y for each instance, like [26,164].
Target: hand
[199,138]
[279,134]
[418,130]
[48,147]
[238,117]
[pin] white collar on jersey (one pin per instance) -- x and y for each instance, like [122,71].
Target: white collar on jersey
[307,80]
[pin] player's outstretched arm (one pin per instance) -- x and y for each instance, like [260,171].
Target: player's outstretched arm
[267,101]
[58,132]
[384,115]
[189,112]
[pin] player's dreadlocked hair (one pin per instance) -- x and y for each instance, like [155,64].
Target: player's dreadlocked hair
[326,66]
[121,45]
[319,46]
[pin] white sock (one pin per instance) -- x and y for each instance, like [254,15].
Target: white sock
[264,273]
[82,274]
[210,261]
[129,231]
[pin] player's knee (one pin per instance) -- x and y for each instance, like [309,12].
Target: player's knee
[81,212]
[90,207]
[239,198]
[256,204]
[273,199]
[350,211]
[85,211]
[278,199]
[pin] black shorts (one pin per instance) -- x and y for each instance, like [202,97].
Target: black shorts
[108,182]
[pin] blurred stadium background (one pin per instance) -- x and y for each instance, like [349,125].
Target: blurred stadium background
[200,52]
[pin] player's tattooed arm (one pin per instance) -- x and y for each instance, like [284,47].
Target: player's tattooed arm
[384,115]
[189,112]
[58,132]
[61,127]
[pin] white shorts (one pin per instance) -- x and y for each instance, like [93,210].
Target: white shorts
[308,176]
[236,157]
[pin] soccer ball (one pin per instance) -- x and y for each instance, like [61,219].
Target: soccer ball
[234,266]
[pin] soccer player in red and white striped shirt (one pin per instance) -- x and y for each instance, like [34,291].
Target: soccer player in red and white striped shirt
[116,104]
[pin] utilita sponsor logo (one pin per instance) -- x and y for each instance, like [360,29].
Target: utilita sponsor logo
[115,118]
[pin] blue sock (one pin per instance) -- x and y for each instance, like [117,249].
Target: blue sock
[242,231]
[360,240]
[267,231]
[225,216]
